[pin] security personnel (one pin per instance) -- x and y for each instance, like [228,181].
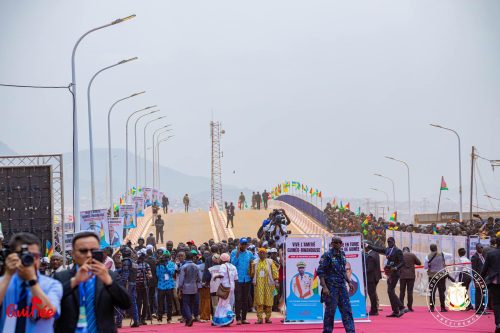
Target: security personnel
[333,278]
[128,278]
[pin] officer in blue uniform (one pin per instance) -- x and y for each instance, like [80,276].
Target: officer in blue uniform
[128,278]
[333,278]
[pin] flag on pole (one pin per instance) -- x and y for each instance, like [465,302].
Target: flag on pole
[311,191]
[320,195]
[49,249]
[394,217]
[358,211]
[315,283]
[444,187]
[334,203]
[341,208]
[347,207]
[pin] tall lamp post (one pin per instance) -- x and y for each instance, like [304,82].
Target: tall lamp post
[126,148]
[110,162]
[135,137]
[386,196]
[393,189]
[91,137]
[76,170]
[459,164]
[145,155]
[154,150]
[409,190]
[155,166]
[158,153]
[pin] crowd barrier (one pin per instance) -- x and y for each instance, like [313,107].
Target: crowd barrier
[419,245]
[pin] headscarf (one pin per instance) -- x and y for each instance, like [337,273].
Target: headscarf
[225,257]
[262,249]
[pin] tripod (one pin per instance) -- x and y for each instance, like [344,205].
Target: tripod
[146,286]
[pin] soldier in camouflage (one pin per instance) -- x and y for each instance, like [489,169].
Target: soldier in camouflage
[333,278]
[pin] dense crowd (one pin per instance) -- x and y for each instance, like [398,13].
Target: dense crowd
[374,229]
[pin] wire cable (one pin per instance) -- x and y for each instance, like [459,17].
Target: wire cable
[36,87]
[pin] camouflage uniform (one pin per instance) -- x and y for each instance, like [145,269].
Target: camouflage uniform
[332,269]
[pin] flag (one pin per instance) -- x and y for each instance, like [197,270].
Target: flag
[121,201]
[303,188]
[306,189]
[358,211]
[347,206]
[49,250]
[444,187]
[315,283]
[365,222]
[311,191]
[320,195]
[394,217]
[334,203]
[434,230]
[296,184]
[341,208]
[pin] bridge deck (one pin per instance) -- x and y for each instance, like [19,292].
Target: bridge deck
[181,227]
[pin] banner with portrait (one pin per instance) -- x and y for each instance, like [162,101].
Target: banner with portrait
[127,212]
[147,195]
[97,221]
[115,231]
[351,245]
[154,197]
[139,206]
[302,284]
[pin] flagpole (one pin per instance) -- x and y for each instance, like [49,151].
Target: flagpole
[439,202]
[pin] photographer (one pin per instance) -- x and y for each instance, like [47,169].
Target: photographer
[23,287]
[90,291]
[165,270]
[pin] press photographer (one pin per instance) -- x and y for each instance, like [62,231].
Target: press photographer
[29,300]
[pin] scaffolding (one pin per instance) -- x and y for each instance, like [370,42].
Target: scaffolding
[216,168]
[56,166]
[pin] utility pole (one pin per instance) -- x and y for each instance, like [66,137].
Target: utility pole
[473,156]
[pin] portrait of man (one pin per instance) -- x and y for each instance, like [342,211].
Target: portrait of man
[302,282]
[355,283]
[114,237]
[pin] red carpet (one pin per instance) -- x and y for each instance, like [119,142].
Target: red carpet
[416,322]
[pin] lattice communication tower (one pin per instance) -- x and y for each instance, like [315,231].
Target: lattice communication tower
[216,169]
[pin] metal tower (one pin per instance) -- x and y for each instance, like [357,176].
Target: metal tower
[216,169]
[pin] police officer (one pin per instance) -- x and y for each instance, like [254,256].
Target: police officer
[128,278]
[333,278]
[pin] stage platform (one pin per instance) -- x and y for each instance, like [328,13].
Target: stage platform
[414,322]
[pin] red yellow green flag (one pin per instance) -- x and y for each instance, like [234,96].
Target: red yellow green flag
[394,217]
[444,187]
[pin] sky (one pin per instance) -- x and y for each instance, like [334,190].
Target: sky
[313,91]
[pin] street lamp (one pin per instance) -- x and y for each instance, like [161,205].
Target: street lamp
[145,155]
[135,138]
[158,152]
[76,170]
[155,159]
[393,189]
[459,163]
[154,150]
[386,196]
[409,197]
[91,139]
[110,162]
[126,148]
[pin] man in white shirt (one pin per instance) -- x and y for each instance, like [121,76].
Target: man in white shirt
[465,278]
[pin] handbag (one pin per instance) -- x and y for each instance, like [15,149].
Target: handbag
[223,292]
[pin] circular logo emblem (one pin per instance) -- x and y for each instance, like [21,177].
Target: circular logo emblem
[457,298]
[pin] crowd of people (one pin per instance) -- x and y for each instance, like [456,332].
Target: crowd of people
[374,229]
[258,200]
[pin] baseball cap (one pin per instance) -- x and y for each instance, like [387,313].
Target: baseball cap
[243,241]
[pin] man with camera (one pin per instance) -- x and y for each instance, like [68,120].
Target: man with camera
[23,288]
[90,291]
[165,271]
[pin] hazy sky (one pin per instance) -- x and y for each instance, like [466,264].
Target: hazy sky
[314,91]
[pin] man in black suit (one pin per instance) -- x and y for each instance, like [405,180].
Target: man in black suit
[491,273]
[477,263]
[92,286]
[373,276]
[394,261]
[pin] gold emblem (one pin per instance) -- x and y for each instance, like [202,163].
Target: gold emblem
[457,298]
